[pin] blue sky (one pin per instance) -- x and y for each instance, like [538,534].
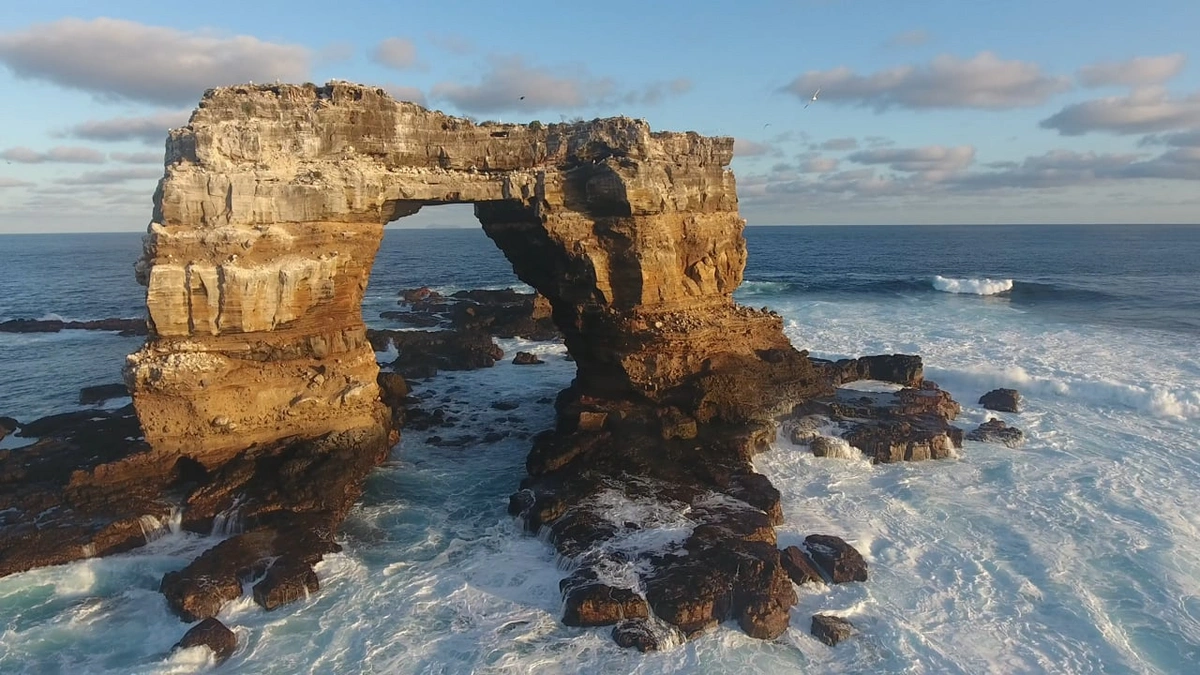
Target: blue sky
[943,111]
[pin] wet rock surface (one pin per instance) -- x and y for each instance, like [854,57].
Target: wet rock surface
[1002,400]
[501,313]
[830,629]
[906,425]
[213,634]
[996,431]
[637,633]
[838,561]
[90,486]
[423,353]
[799,567]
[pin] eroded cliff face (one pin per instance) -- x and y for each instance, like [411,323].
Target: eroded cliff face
[265,229]
[271,211]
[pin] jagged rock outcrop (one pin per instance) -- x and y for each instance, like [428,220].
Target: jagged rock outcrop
[996,431]
[1002,400]
[265,229]
[271,211]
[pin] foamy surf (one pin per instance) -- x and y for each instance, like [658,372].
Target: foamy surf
[972,286]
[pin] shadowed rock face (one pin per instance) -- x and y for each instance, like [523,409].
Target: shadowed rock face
[272,208]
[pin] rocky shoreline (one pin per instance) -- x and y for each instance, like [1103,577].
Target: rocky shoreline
[275,509]
[259,406]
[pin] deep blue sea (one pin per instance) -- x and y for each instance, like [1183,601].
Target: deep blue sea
[1078,553]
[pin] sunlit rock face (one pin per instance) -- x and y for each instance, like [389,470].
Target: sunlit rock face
[272,209]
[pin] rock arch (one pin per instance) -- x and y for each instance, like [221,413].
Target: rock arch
[272,208]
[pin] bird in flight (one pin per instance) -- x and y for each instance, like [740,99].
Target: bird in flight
[814,97]
[521,99]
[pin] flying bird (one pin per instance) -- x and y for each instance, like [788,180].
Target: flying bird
[521,99]
[814,97]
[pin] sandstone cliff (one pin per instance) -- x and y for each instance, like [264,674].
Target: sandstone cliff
[268,218]
[266,225]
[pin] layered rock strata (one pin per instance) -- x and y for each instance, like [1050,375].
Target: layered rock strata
[271,210]
[265,228]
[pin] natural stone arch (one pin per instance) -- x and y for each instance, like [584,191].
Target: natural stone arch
[272,208]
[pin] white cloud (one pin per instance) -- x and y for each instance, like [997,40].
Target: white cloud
[932,159]
[120,59]
[1136,72]
[510,84]
[137,157]
[396,53]
[58,154]
[110,176]
[1143,111]
[454,44]
[743,147]
[1180,139]
[983,81]
[148,129]
[401,93]
[6,182]
[839,144]
[819,165]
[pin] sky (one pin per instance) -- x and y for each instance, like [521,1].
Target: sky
[930,112]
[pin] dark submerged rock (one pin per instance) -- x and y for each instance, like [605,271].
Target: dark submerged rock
[7,426]
[101,393]
[526,359]
[996,431]
[213,634]
[126,327]
[905,369]
[830,629]
[1002,400]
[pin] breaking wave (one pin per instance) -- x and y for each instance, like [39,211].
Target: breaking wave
[972,286]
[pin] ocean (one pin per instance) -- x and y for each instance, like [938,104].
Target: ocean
[1077,553]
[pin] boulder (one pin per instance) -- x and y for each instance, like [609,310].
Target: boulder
[838,561]
[830,629]
[288,580]
[636,633]
[1002,400]
[799,567]
[392,387]
[996,431]
[422,294]
[213,634]
[7,426]
[526,359]
[598,604]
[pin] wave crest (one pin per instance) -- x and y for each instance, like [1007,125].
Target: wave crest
[972,286]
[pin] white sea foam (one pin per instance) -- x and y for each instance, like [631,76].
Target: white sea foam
[1078,553]
[972,286]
